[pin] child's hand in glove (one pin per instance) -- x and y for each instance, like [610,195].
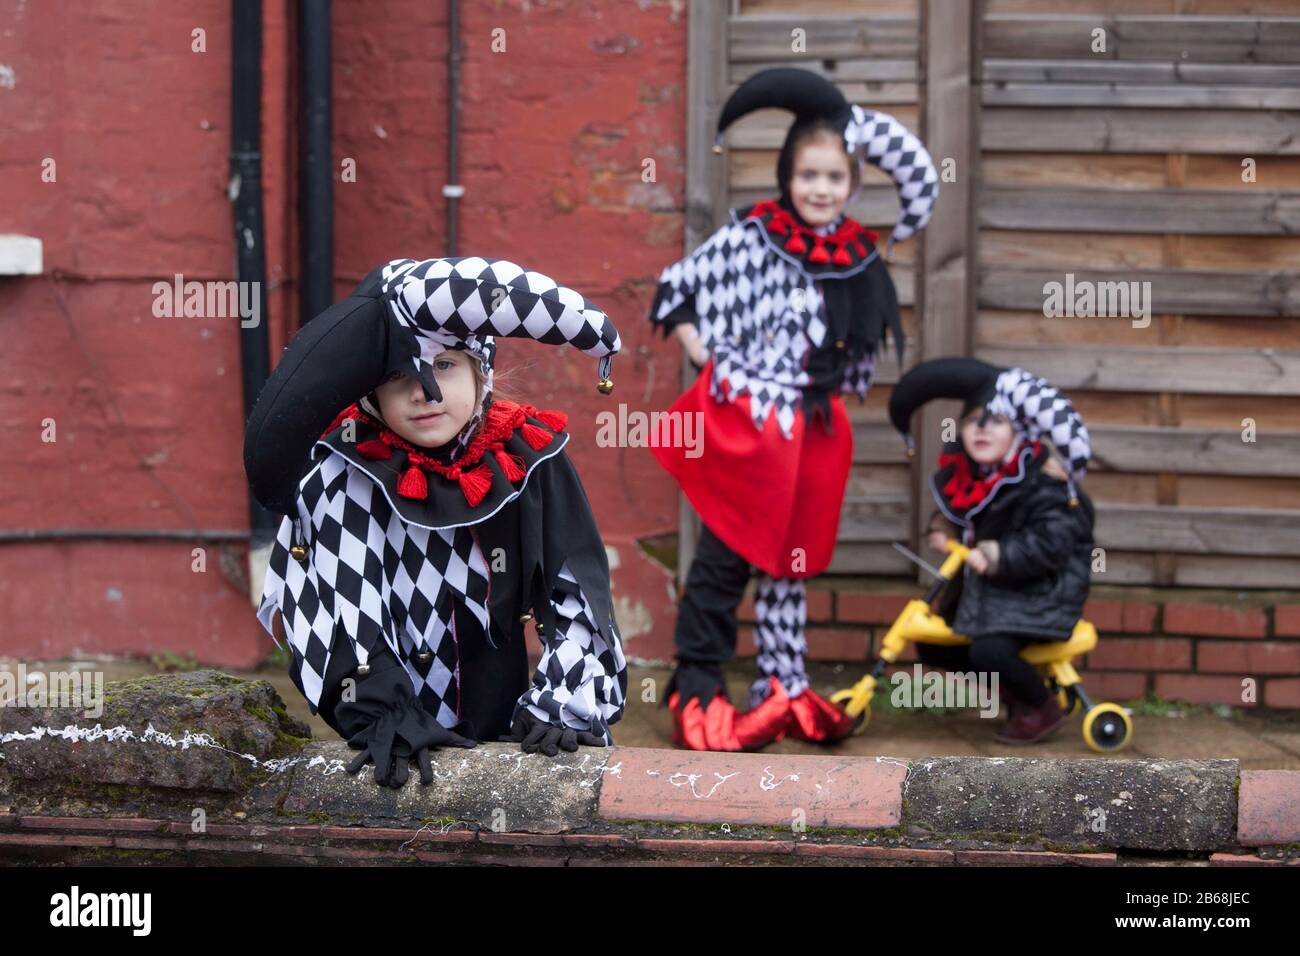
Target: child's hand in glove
[533,735]
[390,727]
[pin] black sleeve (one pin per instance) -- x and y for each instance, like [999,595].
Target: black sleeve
[1048,537]
[684,313]
[561,529]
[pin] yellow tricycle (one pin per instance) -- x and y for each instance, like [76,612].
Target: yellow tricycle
[1107,727]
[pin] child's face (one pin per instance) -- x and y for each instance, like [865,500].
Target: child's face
[820,182]
[402,402]
[987,443]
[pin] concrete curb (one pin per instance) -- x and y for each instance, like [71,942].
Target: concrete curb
[70,791]
[496,804]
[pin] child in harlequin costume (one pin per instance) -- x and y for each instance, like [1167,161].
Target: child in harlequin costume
[1005,491]
[414,548]
[783,308]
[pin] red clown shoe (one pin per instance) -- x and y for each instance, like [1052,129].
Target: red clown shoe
[815,719]
[716,725]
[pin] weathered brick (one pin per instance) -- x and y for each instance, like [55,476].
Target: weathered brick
[659,845]
[819,605]
[522,839]
[868,607]
[53,839]
[1215,620]
[1201,689]
[1286,620]
[211,829]
[1114,685]
[838,644]
[145,843]
[1268,807]
[1120,617]
[395,833]
[598,841]
[757,789]
[1147,653]
[1247,859]
[1235,657]
[1104,615]
[1032,858]
[102,825]
[901,854]
[1282,693]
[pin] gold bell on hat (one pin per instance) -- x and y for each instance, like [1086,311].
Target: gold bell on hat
[606,384]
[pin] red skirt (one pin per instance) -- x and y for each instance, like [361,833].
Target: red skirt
[775,501]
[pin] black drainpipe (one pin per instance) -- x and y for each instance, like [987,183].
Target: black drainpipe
[245,192]
[315,162]
[453,190]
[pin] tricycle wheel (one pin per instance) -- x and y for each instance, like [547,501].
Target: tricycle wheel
[1107,728]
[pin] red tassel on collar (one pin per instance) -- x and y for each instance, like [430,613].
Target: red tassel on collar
[475,484]
[471,470]
[413,484]
[375,450]
[965,490]
[849,239]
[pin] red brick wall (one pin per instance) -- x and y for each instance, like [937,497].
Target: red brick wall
[148,411]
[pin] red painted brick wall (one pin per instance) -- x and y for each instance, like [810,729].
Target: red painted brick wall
[148,412]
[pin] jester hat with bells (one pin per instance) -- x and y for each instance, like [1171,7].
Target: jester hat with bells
[397,320]
[1034,407]
[870,136]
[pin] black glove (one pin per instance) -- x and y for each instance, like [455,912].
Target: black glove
[390,726]
[534,734]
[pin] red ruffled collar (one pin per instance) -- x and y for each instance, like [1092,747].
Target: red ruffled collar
[502,420]
[964,490]
[848,246]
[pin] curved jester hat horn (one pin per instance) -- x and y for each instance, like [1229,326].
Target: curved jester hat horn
[398,319]
[1034,406]
[439,302]
[869,135]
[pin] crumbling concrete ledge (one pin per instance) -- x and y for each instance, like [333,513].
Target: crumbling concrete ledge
[204,767]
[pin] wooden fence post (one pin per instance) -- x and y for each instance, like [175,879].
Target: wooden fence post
[947,277]
[706,181]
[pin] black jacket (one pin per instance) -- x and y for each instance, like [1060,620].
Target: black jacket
[1044,557]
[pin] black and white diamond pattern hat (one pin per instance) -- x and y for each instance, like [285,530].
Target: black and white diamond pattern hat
[1034,406]
[872,136]
[883,141]
[398,319]
[444,302]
